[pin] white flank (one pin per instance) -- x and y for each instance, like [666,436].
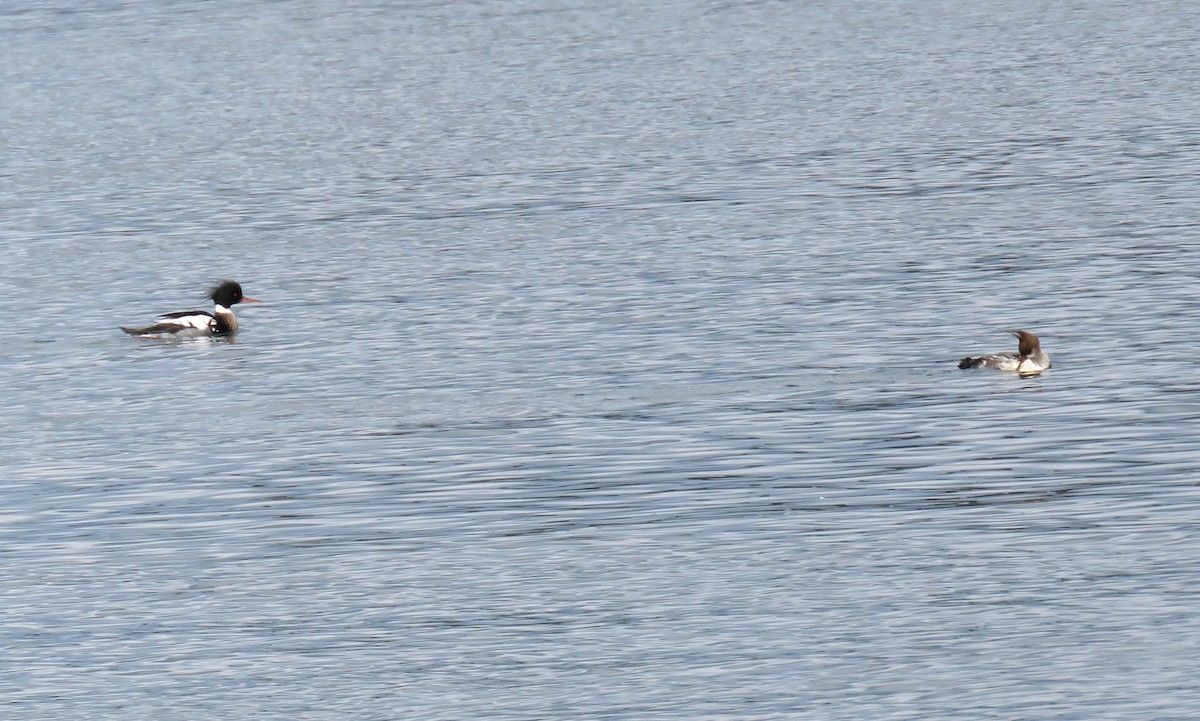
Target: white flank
[199,322]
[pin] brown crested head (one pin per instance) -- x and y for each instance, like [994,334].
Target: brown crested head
[1028,343]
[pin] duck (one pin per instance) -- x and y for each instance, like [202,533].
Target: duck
[199,323]
[1029,360]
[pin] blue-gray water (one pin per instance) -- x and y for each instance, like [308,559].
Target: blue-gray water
[607,369]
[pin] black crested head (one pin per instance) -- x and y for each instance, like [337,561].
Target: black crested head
[226,293]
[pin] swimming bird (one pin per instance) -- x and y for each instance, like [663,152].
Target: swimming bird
[1029,360]
[196,323]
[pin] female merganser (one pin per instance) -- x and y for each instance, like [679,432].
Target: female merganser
[1028,361]
[195,323]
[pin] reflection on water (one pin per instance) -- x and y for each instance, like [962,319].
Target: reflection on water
[609,369]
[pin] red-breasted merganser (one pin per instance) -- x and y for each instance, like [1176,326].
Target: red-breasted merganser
[1028,361]
[196,323]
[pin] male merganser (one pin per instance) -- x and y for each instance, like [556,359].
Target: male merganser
[195,323]
[1028,361]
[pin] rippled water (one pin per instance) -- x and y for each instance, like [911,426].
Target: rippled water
[607,368]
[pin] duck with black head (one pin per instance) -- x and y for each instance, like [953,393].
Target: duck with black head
[197,323]
[1029,360]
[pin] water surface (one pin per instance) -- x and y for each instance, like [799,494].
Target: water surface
[608,364]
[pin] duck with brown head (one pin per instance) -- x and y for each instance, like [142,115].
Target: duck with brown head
[1029,360]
